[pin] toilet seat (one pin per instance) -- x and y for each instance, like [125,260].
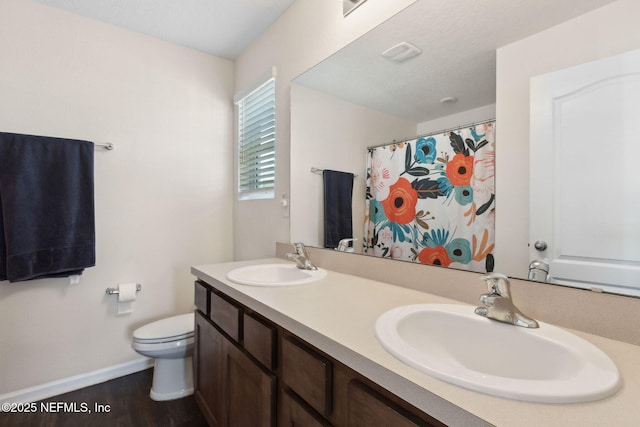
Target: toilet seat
[171,349]
[170,342]
[171,329]
[164,340]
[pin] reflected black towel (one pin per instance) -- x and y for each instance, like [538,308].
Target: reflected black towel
[338,190]
[47,226]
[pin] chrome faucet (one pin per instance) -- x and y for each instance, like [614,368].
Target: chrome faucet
[301,257]
[538,271]
[346,245]
[498,304]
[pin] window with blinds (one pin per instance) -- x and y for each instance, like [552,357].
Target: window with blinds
[256,142]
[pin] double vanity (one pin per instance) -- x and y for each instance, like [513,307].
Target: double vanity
[280,345]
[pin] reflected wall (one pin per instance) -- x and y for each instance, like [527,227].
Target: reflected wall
[329,133]
[607,31]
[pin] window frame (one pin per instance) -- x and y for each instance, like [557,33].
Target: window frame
[256,190]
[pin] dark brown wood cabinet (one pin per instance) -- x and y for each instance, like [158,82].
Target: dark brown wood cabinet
[250,393]
[367,408]
[230,388]
[259,338]
[293,412]
[207,375]
[233,385]
[251,372]
[308,374]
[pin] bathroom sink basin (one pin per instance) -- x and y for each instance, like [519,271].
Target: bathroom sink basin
[274,275]
[452,343]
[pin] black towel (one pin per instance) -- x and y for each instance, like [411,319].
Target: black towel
[47,226]
[338,190]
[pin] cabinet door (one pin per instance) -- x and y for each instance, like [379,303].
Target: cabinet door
[294,414]
[207,357]
[250,391]
[308,374]
[367,408]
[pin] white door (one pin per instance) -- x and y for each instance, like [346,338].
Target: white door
[585,174]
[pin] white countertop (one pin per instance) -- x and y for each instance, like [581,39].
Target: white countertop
[337,315]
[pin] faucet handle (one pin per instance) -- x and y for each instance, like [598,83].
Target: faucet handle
[344,244]
[300,249]
[302,257]
[497,283]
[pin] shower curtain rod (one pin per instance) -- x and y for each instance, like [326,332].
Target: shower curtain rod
[395,141]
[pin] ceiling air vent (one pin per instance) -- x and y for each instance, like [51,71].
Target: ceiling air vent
[401,52]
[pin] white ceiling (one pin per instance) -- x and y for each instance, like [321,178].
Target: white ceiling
[222,28]
[459,39]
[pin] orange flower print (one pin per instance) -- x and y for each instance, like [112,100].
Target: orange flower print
[434,256]
[460,169]
[400,204]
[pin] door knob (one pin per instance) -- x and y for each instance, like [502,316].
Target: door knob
[540,245]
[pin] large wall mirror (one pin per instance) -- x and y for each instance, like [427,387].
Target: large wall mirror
[357,98]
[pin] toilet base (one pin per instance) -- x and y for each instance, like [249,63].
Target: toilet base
[172,378]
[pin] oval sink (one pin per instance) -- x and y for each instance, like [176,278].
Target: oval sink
[274,275]
[452,343]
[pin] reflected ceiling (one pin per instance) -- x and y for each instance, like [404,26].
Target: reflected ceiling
[458,38]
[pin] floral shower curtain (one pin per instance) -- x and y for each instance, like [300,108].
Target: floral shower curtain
[431,200]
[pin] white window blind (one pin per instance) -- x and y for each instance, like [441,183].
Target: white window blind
[256,142]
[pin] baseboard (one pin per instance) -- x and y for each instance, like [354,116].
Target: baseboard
[65,385]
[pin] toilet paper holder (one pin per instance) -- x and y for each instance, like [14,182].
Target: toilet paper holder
[115,291]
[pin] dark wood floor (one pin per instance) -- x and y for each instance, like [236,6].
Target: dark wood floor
[124,401]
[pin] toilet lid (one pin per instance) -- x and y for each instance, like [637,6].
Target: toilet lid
[166,328]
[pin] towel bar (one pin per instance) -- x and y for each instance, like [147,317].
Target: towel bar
[115,291]
[108,145]
[319,171]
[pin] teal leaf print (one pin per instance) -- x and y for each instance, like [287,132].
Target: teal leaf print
[445,186]
[475,134]
[436,238]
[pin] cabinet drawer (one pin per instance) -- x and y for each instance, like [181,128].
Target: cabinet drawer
[308,374]
[259,339]
[201,298]
[226,315]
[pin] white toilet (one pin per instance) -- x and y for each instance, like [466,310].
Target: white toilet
[170,342]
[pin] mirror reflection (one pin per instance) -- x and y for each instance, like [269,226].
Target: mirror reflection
[357,98]
[584,202]
[431,199]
